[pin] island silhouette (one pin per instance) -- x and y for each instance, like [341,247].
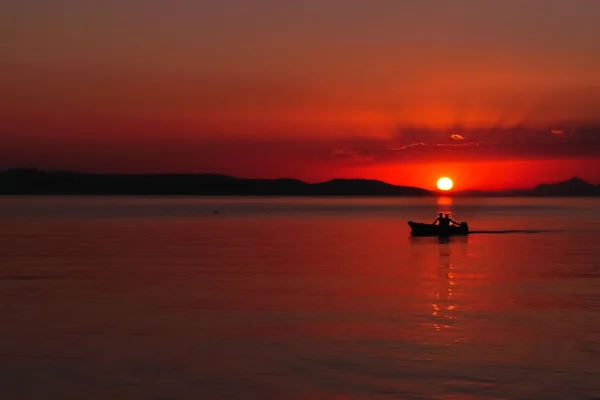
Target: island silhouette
[26,181]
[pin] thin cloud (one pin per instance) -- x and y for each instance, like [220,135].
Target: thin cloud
[518,142]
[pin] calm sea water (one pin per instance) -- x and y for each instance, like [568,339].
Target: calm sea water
[284,298]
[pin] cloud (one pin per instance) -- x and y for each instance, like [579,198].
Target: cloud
[497,143]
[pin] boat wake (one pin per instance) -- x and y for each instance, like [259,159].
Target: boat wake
[519,231]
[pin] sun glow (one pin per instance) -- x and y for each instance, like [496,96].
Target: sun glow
[445,184]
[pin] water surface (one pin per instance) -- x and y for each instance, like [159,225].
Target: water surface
[297,298]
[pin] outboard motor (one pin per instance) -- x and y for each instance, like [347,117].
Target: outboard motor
[464,225]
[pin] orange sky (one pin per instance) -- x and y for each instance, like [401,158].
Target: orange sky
[496,94]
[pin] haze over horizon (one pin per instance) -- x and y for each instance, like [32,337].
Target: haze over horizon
[494,94]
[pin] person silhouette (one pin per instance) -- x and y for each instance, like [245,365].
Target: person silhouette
[451,220]
[438,219]
[445,226]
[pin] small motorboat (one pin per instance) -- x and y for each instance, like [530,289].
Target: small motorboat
[421,229]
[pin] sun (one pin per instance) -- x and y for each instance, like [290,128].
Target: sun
[445,183]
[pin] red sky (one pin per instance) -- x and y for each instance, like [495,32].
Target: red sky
[493,94]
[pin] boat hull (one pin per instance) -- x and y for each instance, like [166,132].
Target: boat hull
[421,229]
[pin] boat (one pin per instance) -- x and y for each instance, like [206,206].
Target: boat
[421,229]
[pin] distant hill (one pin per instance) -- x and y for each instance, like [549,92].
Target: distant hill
[32,181]
[569,188]
[572,187]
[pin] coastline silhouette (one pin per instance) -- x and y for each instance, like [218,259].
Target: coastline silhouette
[33,181]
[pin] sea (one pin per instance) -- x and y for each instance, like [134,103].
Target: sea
[298,298]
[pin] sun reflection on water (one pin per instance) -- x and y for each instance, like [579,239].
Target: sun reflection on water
[444,200]
[444,306]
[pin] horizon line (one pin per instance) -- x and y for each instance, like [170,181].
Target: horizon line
[434,191]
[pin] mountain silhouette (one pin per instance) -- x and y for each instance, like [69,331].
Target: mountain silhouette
[572,187]
[32,181]
[36,182]
[569,188]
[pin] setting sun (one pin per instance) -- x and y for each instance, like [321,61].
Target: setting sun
[445,183]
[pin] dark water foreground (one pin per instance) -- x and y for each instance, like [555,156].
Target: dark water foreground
[165,298]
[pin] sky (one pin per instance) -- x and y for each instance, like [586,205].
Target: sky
[494,94]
